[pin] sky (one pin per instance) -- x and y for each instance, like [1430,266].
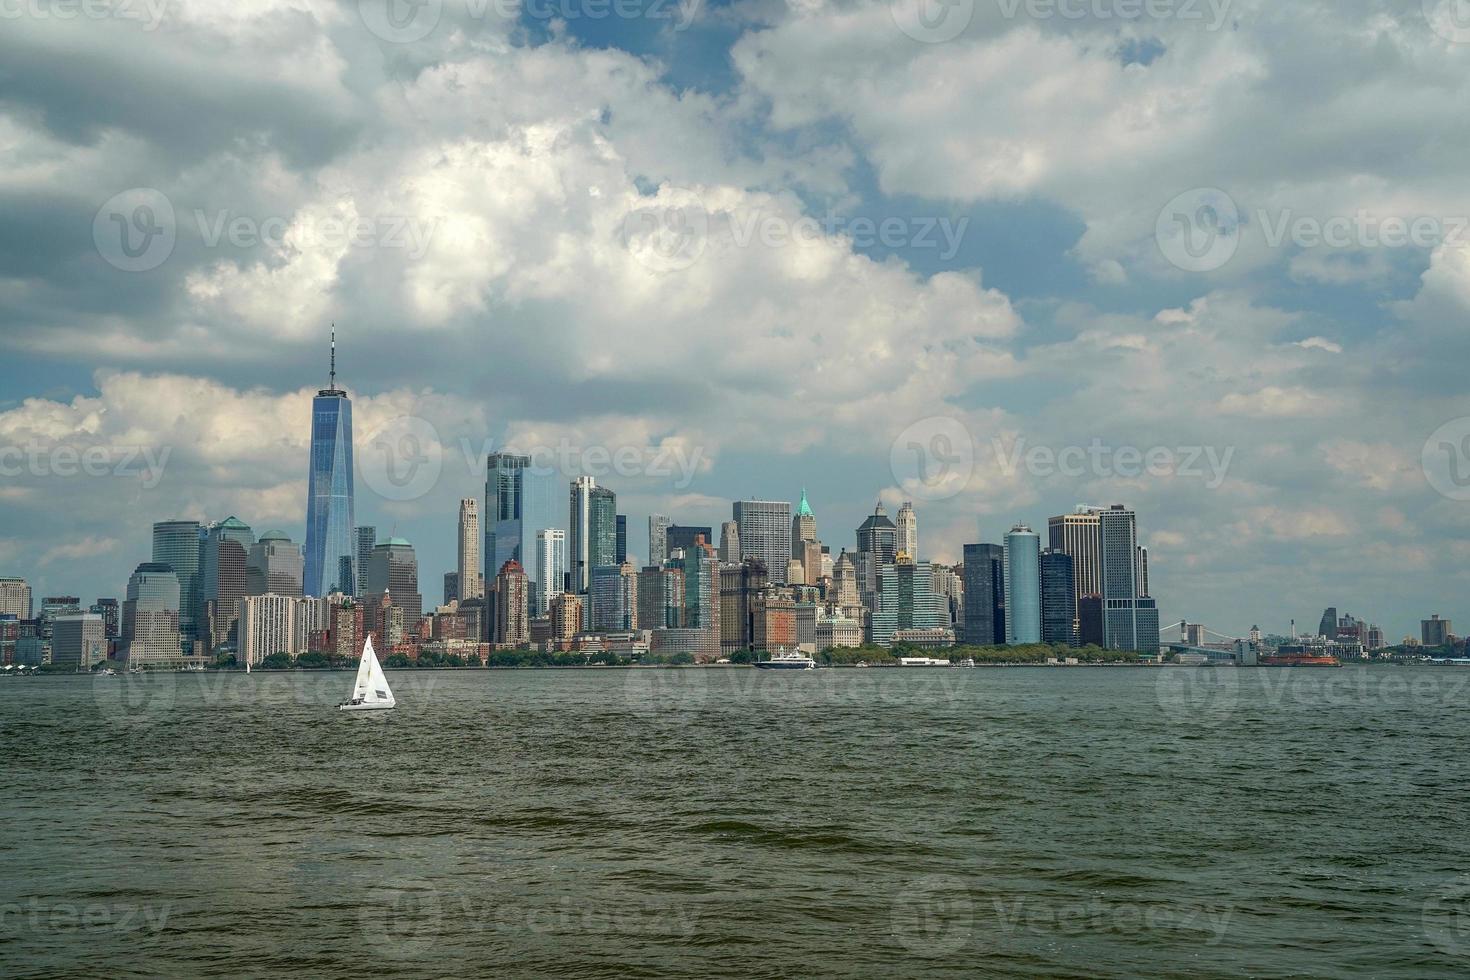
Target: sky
[1206,258]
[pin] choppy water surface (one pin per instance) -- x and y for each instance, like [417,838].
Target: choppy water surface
[1014,822]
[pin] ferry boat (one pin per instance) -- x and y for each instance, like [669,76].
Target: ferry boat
[787,661]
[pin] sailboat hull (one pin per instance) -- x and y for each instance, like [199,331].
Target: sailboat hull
[371,706]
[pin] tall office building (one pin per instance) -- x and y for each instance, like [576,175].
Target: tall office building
[741,584]
[612,599]
[451,587]
[512,624]
[551,566]
[592,541]
[470,581]
[620,538]
[765,534]
[223,552]
[150,620]
[658,539]
[701,568]
[111,613]
[519,501]
[274,565]
[329,517]
[1433,632]
[1328,625]
[394,571]
[1076,535]
[366,539]
[177,544]
[803,526]
[984,622]
[845,592]
[681,537]
[730,542]
[1143,571]
[79,638]
[878,536]
[907,601]
[908,531]
[660,597]
[1130,620]
[1058,599]
[15,597]
[1023,586]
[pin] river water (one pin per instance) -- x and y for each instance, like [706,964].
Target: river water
[595,823]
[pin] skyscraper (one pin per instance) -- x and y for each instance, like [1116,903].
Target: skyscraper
[470,586]
[1023,586]
[985,604]
[908,531]
[579,538]
[1058,598]
[177,544]
[907,601]
[1076,535]
[613,599]
[681,537]
[366,538]
[150,620]
[658,539]
[765,534]
[329,517]
[602,528]
[79,638]
[512,627]
[519,501]
[620,535]
[394,571]
[730,542]
[223,552]
[273,565]
[551,566]
[15,597]
[1130,620]
[878,536]
[803,526]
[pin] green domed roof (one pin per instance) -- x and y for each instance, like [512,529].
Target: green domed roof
[803,509]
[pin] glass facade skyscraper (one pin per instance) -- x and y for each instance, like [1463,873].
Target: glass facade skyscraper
[984,621]
[177,544]
[329,518]
[518,503]
[1023,586]
[765,533]
[1058,599]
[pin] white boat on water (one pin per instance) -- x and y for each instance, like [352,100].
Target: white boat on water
[370,691]
[787,661]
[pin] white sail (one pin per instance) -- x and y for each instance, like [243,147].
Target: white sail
[371,686]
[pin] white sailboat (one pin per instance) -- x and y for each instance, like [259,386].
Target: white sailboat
[370,692]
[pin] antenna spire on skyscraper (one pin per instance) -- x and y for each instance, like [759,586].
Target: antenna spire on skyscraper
[332,380]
